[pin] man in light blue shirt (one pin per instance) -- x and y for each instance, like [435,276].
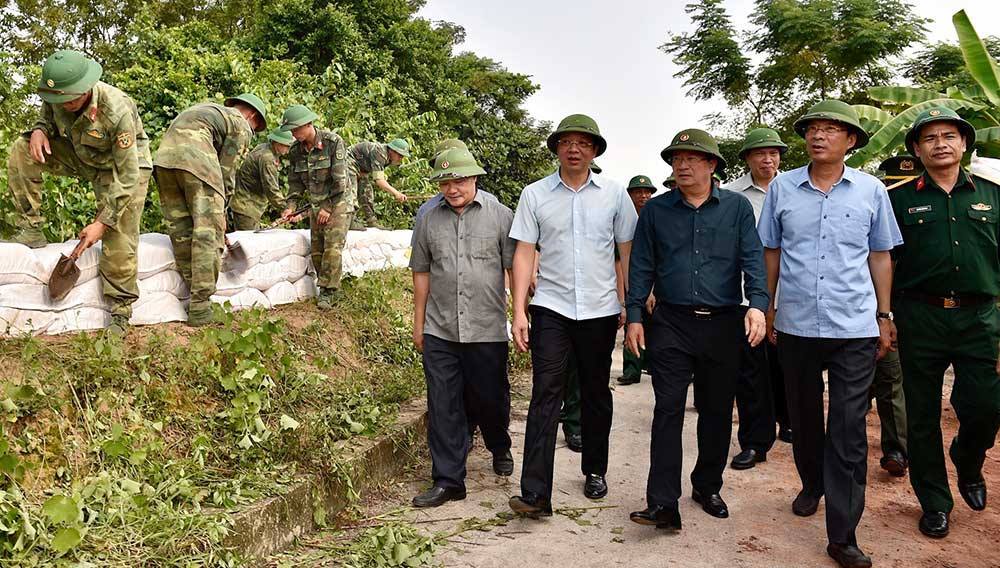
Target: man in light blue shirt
[828,231]
[576,219]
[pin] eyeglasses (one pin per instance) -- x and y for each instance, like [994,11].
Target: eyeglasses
[829,130]
[681,160]
[581,144]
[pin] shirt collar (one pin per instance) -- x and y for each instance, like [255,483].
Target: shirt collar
[677,198]
[555,180]
[964,179]
[745,182]
[801,178]
[92,108]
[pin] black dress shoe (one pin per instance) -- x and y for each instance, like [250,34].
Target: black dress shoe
[573,441]
[530,505]
[805,504]
[848,556]
[659,516]
[934,524]
[623,380]
[785,434]
[595,487]
[974,493]
[711,504]
[437,496]
[895,463]
[747,459]
[503,464]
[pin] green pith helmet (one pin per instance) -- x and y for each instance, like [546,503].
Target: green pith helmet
[762,138]
[595,168]
[641,182]
[67,75]
[577,123]
[670,182]
[255,103]
[839,111]
[295,116]
[281,137]
[455,163]
[696,141]
[939,114]
[448,144]
[400,146]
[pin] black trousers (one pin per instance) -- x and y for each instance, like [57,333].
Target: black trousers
[553,339]
[833,462]
[760,397]
[461,374]
[680,346]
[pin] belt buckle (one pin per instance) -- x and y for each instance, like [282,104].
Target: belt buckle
[950,303]
[702,313]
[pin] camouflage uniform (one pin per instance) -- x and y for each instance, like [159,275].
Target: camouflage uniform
[257,186]
[320,175]
[106,145]
[366,162]
[195,171]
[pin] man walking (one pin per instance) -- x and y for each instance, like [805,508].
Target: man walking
[693,245]
[89,130]
[195,170]
[257,181]
[946,285]
[760,391]
[460,255]
[576,219]
[827,230]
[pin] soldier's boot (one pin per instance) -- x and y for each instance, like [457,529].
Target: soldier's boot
[328,298]
[358,225]
[200,315]
[119,325]
[31,237]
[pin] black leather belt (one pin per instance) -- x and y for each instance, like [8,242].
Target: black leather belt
[701,312]
[947,302]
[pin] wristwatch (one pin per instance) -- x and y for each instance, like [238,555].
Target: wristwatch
[884,315]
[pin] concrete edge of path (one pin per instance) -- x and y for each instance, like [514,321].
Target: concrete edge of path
[273,524]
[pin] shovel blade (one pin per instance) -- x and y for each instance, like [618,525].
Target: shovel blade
[235,259]
[63,278]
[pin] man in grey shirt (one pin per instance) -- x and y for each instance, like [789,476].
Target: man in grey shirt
[576,219]
[460,253]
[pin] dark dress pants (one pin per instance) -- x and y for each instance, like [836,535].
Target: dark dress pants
[459,374]
[553,338]
[680,345]
[754,400]
[831,462]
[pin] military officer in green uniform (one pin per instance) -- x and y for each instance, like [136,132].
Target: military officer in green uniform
[195,169]
[640,190]
[366,163]
[92,131]
[946,282]
[318,175]
[257,184]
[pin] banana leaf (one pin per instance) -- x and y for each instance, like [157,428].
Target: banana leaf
[903,95]
[981,66]
[882,140]
[988,142]
[872,118]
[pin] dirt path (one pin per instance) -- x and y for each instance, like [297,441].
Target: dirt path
[761,531]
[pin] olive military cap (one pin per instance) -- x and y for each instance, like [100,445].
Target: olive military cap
[762,138]
[455,163]
[641,182]
[899,167]
[296,116]
[255,103]
[281,137]
[400,146]
[838,111]
[940,114]
[696,141]
[577,123]
[67,75]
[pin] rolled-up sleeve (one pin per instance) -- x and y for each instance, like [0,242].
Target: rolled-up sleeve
[769,227]
[885,234]
[640,267]
[525,225]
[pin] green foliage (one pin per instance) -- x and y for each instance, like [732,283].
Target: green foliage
[369,68]
[939,66]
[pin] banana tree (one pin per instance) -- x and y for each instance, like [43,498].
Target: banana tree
[901,105]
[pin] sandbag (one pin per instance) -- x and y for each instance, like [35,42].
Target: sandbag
[79,319]
[169,281]
[15,322]
[305,288]
[158,307]
[35,297]
[282,293]
[19,265]
[87,263]
[248,298]
[155,254]
[271,246]
[263,276]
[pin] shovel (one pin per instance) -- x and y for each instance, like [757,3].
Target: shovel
[64,275]
[235,258]
[280,222]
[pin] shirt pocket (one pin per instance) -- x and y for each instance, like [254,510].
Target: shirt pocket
[599,223]
[485,248]
[917,226]
[855,227]
[96,140]
[983,227]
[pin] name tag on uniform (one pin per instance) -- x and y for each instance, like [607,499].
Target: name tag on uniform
[921,209]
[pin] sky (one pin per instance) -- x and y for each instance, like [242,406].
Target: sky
[600,57]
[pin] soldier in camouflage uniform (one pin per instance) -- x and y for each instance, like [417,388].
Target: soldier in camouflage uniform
[366,162]
[318,173]
[92,131]
[257,182]
[195,169]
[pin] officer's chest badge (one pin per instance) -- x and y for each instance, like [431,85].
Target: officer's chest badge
[95,134]
[982,207]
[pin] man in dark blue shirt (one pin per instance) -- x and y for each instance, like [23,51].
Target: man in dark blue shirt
[691,247]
